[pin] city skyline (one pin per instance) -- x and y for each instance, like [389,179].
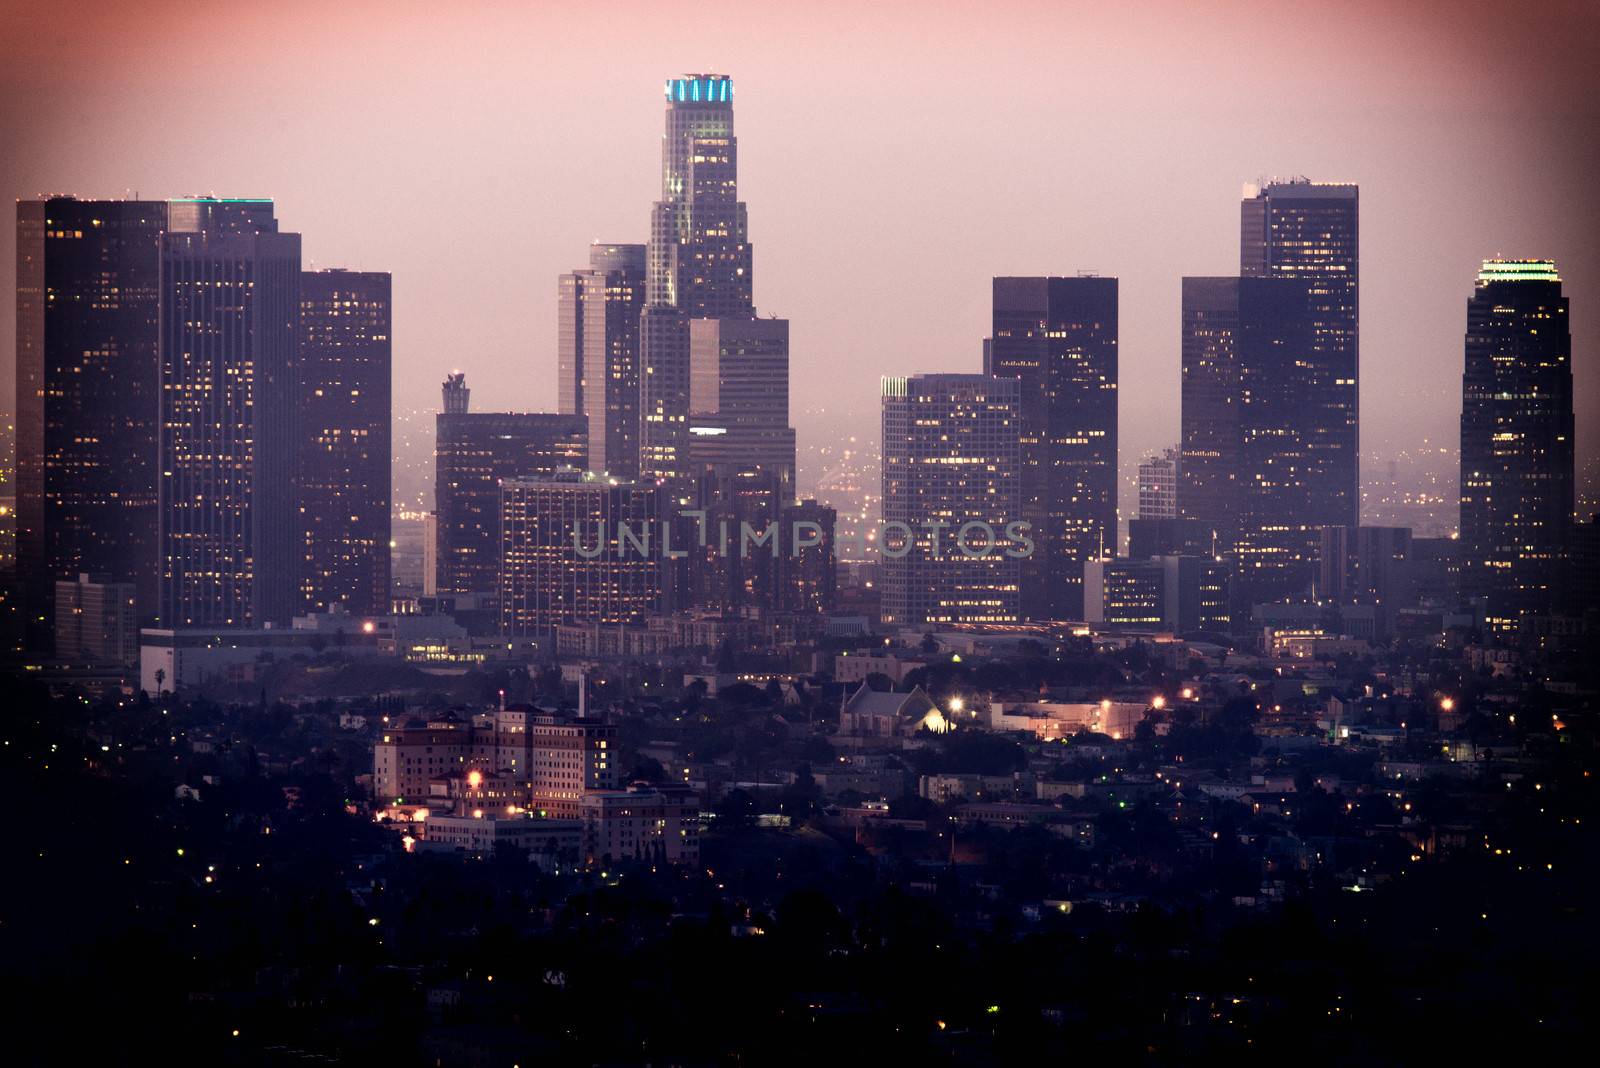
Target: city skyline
[1136,559]
[1454,203]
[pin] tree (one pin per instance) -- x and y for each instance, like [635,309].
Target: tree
[648,769]
[736,809]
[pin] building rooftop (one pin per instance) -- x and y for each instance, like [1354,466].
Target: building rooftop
[1498,270]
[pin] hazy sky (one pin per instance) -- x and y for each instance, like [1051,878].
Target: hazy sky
[895,156]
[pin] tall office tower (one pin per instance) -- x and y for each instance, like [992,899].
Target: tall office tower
[88,377]
[952,456]
[1058,336]
[739,397]
[230,405]
[96,621]
[808,574]
[1516,443]
[598,353]
[700,256]
[725,572]
[1310,231]
[699,259]
[1244,473]
[473,453]
[576,548]
[1158,485]
[345,372]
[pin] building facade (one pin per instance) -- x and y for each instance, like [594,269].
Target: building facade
[1310,232]
[87,394]
[346,370]
[1058,338]
[739,397]
[641,823]
[699,260]
[474,453]
[1158,485]
[598,355]
[952,456]
[1368,565]
[97,621]
[1177,593]
[577,548]
[230,416]
[1517,454]
[1245,472]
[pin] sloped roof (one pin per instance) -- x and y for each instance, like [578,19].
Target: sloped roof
[871,702]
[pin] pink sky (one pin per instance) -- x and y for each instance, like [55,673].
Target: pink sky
[894,156]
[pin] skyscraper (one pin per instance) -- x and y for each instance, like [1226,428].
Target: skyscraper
[229,443]
[576,548]
[473,453]
[598,353]
[345,374]
[1517,442]
[1158,486]
[739,397]
[700,254]
[88,379]
[1244,470]
[952,460]
[699,259]
[1310,231]
[1058,337]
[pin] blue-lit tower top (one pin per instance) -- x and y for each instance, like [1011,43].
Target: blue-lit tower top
[700,89]
[699,257]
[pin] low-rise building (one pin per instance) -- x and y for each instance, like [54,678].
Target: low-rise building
[549,839]
[648,823]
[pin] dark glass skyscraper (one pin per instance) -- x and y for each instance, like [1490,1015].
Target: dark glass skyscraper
[951,457]
[1309,231]
[566,555]
[598,353]
[1058,337]
[345,371]
[474,453]
[1244,471]
[88,380]
[230,307]
[739,398]
[699,259]
[1517,442]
